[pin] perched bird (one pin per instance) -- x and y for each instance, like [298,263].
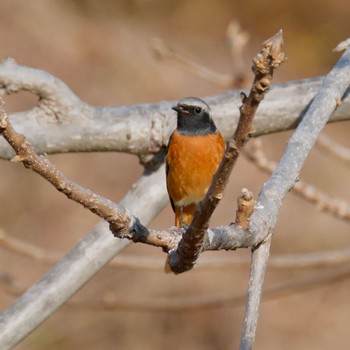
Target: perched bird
[194,153]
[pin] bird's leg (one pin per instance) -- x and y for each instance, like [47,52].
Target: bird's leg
[181,216]
[183,225]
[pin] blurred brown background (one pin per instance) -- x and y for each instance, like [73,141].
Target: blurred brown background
[101,49]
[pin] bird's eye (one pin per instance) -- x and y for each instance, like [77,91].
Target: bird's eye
[198,110]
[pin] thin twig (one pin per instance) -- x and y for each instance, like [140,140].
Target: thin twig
[324,202]
[116,215]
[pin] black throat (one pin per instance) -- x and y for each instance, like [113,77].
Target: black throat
[193,125]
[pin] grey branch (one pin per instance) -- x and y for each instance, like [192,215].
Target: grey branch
[283,179]
[62,123]
[64,279]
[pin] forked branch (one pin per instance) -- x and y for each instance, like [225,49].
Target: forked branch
[283,179]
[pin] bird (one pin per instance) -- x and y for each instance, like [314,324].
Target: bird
[194,153]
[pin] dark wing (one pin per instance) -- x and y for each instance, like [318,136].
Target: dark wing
[166,176]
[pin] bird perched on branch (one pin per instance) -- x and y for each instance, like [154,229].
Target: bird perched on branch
[194,153]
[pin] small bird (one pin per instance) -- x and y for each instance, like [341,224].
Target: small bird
[194,153]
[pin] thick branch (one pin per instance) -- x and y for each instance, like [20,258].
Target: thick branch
[65,124]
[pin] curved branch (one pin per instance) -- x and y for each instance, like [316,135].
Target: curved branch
[137,129]
[54,96]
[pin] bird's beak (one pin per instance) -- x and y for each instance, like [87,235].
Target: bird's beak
[177,108]
[180,109]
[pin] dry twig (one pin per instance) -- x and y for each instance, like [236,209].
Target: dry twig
[329,204]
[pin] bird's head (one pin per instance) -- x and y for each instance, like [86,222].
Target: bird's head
[193,117]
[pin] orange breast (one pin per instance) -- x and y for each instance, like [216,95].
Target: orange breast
[192,162]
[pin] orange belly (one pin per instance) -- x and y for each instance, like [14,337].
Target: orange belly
[192,162]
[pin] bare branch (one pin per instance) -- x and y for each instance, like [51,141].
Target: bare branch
[283,179]
[116,215]
[137,129]
[55,98]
